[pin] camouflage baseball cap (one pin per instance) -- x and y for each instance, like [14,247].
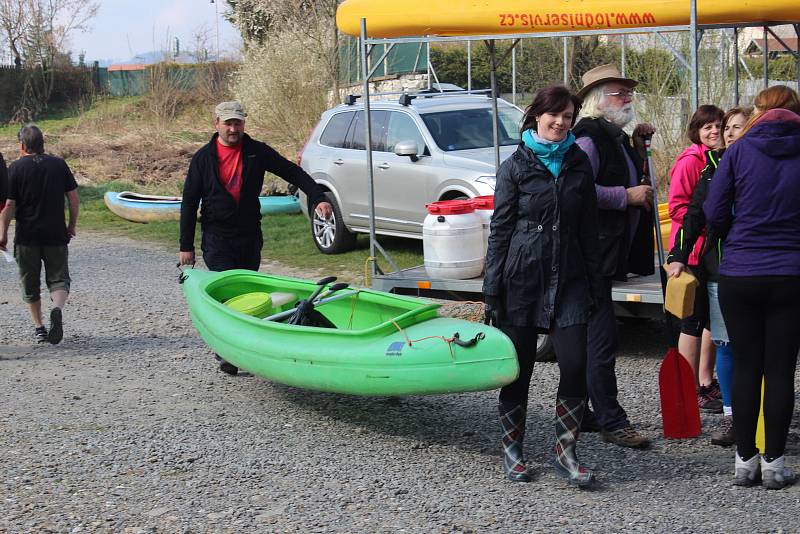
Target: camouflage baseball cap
[230,110]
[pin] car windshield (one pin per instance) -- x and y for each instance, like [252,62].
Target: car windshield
[463,129]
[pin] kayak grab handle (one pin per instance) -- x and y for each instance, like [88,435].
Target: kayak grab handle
[470,343]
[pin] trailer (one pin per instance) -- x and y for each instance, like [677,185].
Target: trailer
[435,21]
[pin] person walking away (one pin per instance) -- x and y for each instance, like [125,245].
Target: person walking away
[754,200]
[694,341]
[624,200]
[542,272]
[37,185]
[693,227]
[3,182]
[227,174]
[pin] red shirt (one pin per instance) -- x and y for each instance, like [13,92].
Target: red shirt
[230,168]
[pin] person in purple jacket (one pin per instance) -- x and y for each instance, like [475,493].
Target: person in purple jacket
[754,200]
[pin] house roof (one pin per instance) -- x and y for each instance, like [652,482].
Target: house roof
[128,66]
[772,44]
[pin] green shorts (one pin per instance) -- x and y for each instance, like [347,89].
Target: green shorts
[56,269]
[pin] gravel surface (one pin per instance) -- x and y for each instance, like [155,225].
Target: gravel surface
[127,426]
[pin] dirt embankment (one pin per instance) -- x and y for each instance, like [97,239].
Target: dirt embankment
[127,145]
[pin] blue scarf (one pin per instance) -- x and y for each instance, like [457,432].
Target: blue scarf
[550,153]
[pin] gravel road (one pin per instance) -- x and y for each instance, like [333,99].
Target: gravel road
[127,426]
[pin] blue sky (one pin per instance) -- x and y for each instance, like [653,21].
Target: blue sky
[124,28]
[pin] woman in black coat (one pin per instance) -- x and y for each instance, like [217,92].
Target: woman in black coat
[542,271]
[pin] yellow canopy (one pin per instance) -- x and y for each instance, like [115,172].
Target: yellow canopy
[394,18]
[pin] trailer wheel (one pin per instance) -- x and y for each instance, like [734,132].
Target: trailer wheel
[544,349]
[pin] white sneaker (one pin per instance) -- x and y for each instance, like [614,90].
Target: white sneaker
[775,474]
[747,473]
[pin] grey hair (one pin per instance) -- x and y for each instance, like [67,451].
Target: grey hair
[593,101]
[31,138]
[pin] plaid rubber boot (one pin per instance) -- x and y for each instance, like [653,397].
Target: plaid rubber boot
[569,413]
[512,419]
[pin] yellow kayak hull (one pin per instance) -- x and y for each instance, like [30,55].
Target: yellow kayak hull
[448,18]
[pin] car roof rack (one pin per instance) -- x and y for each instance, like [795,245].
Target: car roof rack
[405,97]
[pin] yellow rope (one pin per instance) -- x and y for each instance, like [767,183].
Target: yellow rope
[366,271]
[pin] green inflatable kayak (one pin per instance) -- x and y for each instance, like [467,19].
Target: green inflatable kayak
[357,341]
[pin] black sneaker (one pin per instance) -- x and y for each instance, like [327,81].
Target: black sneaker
[714,389]
[40,334]
[225,367]
[56,328]
[706,402]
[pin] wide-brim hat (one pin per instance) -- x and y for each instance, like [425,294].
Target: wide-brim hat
[603,74]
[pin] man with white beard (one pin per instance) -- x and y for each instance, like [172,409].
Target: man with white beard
[624,202]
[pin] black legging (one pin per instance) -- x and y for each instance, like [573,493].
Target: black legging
[762,314]
[570,348]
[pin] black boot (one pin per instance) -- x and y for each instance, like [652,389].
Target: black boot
[512,419]
[569,413]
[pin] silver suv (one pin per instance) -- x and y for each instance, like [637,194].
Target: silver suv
[425,148]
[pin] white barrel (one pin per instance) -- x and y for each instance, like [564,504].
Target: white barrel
[452,240]
[484,208]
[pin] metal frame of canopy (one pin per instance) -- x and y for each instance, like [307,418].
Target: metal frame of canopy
[696,32]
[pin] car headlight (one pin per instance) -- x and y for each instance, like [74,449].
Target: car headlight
[488,180]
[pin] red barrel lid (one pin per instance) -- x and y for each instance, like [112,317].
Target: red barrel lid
[485,202]
[450,207]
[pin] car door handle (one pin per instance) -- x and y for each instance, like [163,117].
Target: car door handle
[383,166]
[339,161]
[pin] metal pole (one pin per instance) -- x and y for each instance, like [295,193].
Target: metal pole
[797,32]
[566,69]
[368,142]
[514,75]
[693,46]
[493,80]
[624,40]
[736,66]
[216,19]
[429,65]
[469,65]
[765,50]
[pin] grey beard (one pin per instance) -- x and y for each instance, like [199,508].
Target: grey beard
[621,117]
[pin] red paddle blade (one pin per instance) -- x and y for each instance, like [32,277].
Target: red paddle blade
[679,410]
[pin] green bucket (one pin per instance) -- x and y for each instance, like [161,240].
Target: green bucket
[257,304]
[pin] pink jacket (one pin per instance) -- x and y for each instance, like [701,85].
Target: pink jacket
[684,176]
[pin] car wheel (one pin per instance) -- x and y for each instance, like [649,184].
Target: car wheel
[544,349]
[331,235]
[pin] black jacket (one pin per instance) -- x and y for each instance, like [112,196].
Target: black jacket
[543,260]
[220,214]
[694,223]
[621,252]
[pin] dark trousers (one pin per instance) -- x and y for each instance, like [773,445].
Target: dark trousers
[763,319]
[570,347]
[223,253]
[601,376]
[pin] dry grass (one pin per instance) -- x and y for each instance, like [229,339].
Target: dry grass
[121,140]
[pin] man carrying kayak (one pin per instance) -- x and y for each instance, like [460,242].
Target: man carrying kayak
[227,174]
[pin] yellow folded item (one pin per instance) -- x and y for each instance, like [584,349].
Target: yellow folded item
[680,295]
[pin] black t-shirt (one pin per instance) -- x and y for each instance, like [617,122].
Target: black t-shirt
[3,182]
[38,183]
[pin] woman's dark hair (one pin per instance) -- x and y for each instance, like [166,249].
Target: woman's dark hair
[31,138]
[704,114]
[553,98]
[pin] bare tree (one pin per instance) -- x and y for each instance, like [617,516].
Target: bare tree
[37,32]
